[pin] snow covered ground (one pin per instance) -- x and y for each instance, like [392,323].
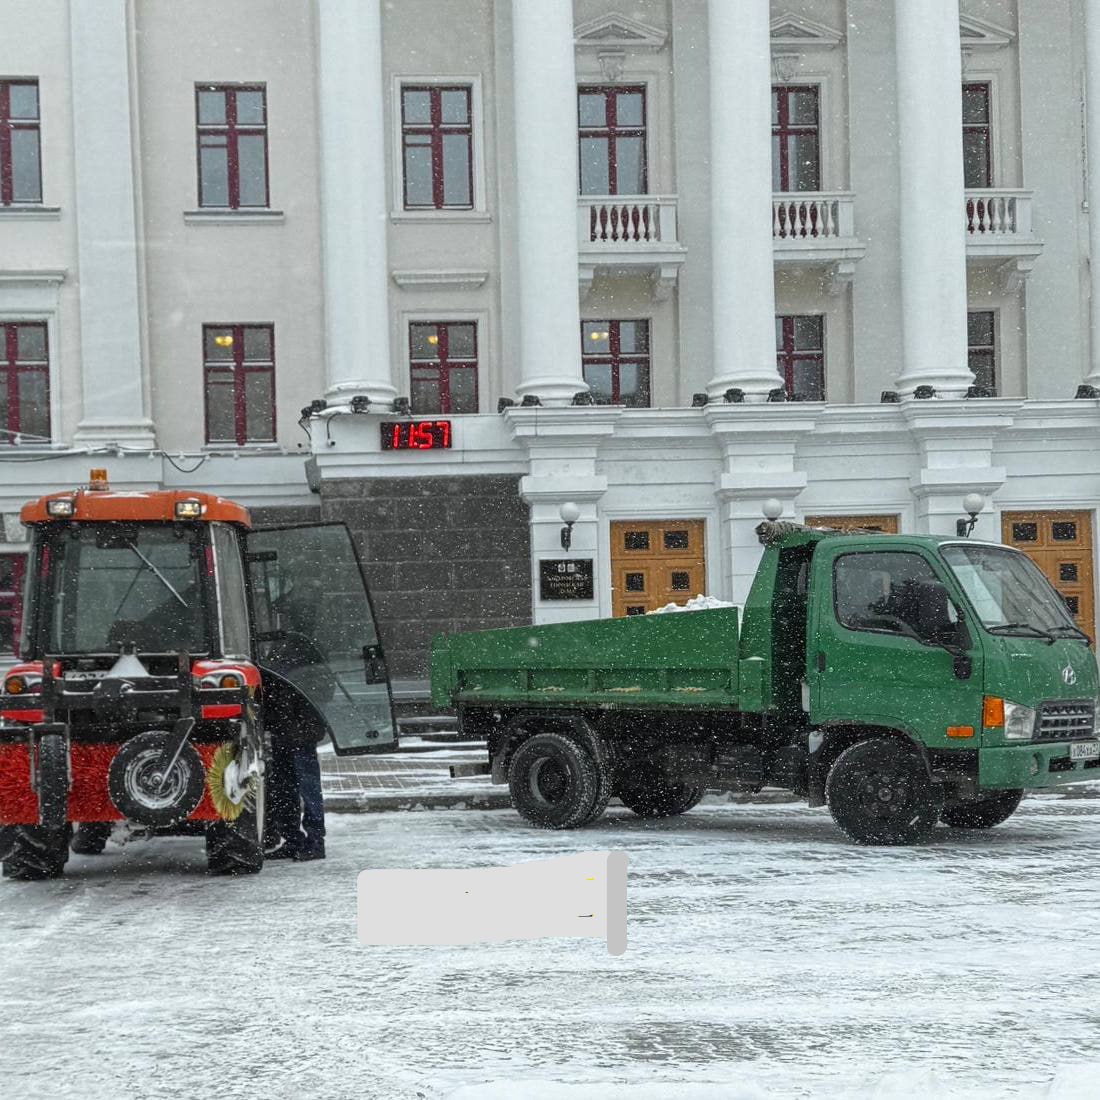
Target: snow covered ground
[767,958]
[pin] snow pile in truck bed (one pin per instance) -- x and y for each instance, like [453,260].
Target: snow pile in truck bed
[696,603]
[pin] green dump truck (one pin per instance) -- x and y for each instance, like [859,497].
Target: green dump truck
[899,679]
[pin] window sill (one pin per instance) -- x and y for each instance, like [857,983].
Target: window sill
[436,216]
[245,449]
[31,213]
[234,217]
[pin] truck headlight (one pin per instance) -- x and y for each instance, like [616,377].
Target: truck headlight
[1019,722]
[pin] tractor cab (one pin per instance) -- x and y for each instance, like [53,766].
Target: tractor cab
[164,643]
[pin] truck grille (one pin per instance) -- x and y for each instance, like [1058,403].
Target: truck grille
[1066,720]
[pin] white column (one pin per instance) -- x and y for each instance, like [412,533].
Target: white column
[1092,113]
[933,240]
[743,278]
[354,211]
[115,389]
[546,187]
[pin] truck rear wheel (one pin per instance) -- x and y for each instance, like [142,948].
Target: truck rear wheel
[654,795]
[879,792]
[982,813]
[554,781]
[34,851]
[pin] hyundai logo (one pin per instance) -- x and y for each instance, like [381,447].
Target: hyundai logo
[1068,675]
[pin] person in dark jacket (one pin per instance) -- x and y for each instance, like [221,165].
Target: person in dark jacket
[295,804]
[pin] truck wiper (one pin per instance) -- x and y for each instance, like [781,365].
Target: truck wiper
[160,576]
[1076,630]
[1012,628]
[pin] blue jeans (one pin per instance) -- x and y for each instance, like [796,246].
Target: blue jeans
[295,804]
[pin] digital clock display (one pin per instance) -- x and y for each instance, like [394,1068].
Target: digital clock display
[416,435]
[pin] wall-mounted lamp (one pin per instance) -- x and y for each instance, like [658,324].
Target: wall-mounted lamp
[569,513]
[973,503]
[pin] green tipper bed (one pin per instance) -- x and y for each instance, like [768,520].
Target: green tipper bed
[685,659]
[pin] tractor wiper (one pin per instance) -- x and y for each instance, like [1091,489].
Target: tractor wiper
[1014,628]
[159,575]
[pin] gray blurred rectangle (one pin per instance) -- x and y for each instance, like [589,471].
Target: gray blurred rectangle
[576,895]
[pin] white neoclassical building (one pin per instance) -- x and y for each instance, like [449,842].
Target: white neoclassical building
[440,267]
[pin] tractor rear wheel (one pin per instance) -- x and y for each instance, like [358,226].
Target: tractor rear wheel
[237,847]
[53,781]
[34,852]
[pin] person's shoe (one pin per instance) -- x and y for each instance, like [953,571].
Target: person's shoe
[302,855]
[279,850]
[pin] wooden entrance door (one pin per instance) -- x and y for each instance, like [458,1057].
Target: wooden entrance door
[1060,544]
[888,525]
[654,562]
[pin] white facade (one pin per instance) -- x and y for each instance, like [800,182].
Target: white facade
[125,266]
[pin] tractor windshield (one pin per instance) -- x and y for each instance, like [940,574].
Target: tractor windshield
[117,584]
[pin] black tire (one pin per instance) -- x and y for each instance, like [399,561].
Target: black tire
[237,847]
[650,793]
[32,852]
[554,781]
[879,792]
[135,776]
[53,782]
[982,813]
[90,837]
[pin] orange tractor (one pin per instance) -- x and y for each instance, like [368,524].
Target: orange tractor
[164,642]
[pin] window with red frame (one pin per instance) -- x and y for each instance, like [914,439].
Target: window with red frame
[12,567]
[20,146]
[981,351]
[796,141]
[24,382]
[232,145]
[612,140]
[615,358]
[443,367]
[800,356]
[239,369]
[437,147]
[977,136]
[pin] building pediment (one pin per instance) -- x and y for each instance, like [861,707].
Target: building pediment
[790,30]
[616,31]
[980,34]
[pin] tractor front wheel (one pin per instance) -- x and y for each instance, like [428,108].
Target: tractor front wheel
[52,780]
[236,847]
[34,851]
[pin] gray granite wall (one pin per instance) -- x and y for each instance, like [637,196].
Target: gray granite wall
[441,554]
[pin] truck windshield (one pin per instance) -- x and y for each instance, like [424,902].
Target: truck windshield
[1008,591]
[114,585]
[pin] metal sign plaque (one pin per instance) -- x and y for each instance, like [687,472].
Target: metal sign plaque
[565,579]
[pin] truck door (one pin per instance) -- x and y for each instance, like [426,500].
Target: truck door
[316,630]
[871,653]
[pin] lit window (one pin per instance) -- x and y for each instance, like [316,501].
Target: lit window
[232,143]
[436,147]
[615,357]
[612,137]
[239,370]
[800,356]
[796,143]
[20,148]
[443,367]
[981,350]
[24,383]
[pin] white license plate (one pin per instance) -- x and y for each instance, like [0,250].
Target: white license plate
[1084,750]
